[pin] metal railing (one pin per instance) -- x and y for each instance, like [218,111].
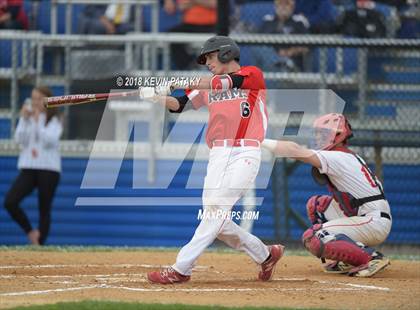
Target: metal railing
[34,45]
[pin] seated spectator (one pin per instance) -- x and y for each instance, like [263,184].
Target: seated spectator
[197,16]
[409,14]
[101,19]
[363,21]
[12,15]
[282,58]
[321,14]
[397,3]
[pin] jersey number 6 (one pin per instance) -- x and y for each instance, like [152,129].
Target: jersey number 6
[245,109]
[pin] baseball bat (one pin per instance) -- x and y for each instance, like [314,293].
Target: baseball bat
[59,101]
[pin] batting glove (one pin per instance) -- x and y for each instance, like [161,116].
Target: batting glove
[146,92]
[163,90]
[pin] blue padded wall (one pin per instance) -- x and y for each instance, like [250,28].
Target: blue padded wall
[174,225]
[116,225]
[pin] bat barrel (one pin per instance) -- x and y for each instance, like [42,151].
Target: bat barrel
[68,100]
[58,101]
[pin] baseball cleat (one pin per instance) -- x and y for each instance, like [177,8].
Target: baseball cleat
[337,267]
[369,269]
[269,266]
[166,276]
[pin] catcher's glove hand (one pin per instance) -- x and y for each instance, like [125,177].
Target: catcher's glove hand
[316,206]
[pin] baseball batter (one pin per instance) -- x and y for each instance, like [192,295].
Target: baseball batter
[356,216]
[235,98]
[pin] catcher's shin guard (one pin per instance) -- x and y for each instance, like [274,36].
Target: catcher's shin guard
[338,247]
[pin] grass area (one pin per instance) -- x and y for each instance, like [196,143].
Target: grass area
[415,256]
[108,305]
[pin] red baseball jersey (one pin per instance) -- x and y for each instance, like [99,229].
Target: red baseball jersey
[235,113]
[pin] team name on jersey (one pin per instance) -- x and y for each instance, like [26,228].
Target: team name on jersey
[230,94]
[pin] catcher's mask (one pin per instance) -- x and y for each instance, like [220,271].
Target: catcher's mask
[330,130]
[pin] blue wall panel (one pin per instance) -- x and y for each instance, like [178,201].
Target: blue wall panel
[117,225]
[174,225]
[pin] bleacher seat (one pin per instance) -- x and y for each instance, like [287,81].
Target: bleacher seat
[4,128]
[166,21]
[44,18]
[6,54]
[396,77]
[246,56]
[349,60]
[381,110]
[393,94]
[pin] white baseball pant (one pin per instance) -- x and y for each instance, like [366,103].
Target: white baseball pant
[231,171]
[370,229]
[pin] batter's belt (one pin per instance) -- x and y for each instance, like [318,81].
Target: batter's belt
[236,143]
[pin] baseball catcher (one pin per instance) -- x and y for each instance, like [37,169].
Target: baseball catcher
[356,215]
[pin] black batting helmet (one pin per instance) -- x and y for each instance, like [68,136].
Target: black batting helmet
[228,49]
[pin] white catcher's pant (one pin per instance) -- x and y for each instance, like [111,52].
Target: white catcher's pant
[231,171]
[370,229]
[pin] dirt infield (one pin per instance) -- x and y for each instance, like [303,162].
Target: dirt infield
[32,277]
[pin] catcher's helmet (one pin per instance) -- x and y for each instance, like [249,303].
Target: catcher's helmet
[332,129]
[228,49]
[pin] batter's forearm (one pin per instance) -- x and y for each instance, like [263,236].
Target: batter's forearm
[292,150]
[204,83]
[286,148]
[168,101]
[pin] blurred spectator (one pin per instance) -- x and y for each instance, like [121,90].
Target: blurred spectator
[396,3]
[12,15]
[410,20]
[197,16]
[38,133]
[321,14]
[363,21]
[101,19]
[283,58]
